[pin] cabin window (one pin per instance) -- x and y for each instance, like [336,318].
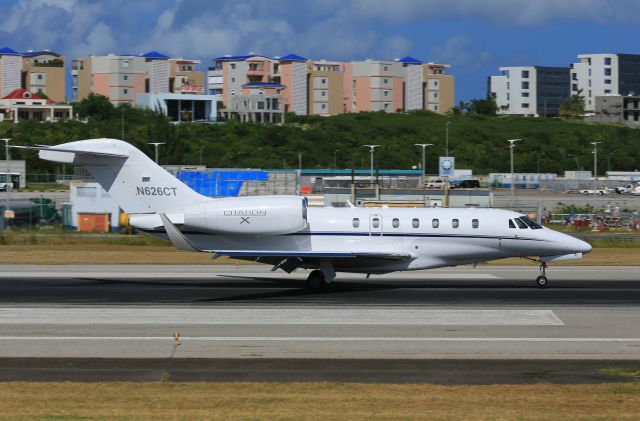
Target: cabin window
[531,223]
[395,222]
[455,223]
[375,222]
[435,223]
[356,222]
[511,224]
[415,223]
[521,224]
[475,223]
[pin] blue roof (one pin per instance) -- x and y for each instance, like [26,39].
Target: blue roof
[7,50]
[409,59]
[37,53]
[292,57]
[154,54]
[263,85]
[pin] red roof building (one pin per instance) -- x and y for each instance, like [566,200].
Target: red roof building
[21,104]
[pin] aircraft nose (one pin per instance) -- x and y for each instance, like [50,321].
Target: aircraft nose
[579,246]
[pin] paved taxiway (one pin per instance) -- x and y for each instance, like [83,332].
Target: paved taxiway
[588,315]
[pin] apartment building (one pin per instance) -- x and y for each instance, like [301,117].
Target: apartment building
[122,78]
[43,73]
[530,90]
[438,92]
[376,85]
[321,87]
[605,74]
[10,71]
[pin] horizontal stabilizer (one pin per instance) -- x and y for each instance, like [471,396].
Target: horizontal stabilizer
[44,148]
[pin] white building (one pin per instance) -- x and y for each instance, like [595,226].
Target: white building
[605,74]
[530,90]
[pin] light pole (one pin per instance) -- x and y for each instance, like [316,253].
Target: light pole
[372,148]
[156,144]
[7,177]
[578,166]
[512,144]
[446,138]
[595,165]
[424,159]
[335,159]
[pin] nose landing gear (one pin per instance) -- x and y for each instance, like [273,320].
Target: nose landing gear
[542,279]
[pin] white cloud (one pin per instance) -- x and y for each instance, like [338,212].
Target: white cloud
[461,54]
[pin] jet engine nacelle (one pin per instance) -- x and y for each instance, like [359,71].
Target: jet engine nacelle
[258,215]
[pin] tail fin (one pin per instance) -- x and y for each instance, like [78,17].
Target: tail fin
[135,182]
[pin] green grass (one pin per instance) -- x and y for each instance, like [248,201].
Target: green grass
[57,236]
[622,372]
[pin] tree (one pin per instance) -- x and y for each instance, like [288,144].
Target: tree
[95,107]
[485,106]
[573,106]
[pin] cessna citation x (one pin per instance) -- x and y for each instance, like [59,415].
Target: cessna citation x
[282,231]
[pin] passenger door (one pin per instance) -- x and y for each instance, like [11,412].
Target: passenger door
[375,225]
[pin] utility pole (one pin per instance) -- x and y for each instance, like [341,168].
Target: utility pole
[595,165]
[424,160]
[156,144]
[7,183]
[446,142]
[371,151]
[512,144]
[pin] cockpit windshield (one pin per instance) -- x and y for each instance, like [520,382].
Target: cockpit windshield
[530,222]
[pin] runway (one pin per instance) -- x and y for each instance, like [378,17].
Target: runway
[218,317]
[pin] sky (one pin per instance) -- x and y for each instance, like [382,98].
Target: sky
[474,36]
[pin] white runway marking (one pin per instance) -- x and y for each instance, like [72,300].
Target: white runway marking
[244,316]
[304,339]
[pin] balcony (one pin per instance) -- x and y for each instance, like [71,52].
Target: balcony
[56,62]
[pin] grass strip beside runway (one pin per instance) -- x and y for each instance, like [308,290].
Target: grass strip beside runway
[48,254]
[321,401]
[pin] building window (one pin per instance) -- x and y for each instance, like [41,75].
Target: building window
[324,93]
[232,66]
[607,71]
[356,222]
[435,95]
[525,85]
[508,96]
[589,82]
[126,77]
[395,222]
[435,83]
[435,223]
[607,81]
[415,223]
[125,63]
[40,77]
[475,223]
[385,81]
[574,87]
[126,91]
[589,72]
[525,94]
[233,79]
[455,223]
[607,91]
[508,85]
[324,106]
[385,68]
[386,93]
[525,74]
[525,105]
[323,81]
[607,61]
[386,106]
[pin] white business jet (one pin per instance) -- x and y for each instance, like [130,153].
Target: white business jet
[282,231]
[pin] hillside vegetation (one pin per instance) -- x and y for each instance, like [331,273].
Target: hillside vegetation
[478,142]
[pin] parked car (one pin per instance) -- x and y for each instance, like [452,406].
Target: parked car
[465,184]
[436,184]
[633,188]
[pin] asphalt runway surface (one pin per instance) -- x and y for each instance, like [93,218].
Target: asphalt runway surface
[488,324]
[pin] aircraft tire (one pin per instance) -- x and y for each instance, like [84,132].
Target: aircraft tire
[542,281]
[315,281]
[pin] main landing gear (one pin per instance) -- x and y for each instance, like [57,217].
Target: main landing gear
[322,277]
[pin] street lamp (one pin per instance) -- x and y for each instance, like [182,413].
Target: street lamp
[7,177]
[424,160]
[446,141]
[595,165]
[372,148]
[335,159]
[156,144]
[512,144]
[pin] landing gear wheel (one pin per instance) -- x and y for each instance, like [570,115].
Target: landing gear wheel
[315,281]
[541,281]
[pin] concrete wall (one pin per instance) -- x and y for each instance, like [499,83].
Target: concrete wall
[91,198]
